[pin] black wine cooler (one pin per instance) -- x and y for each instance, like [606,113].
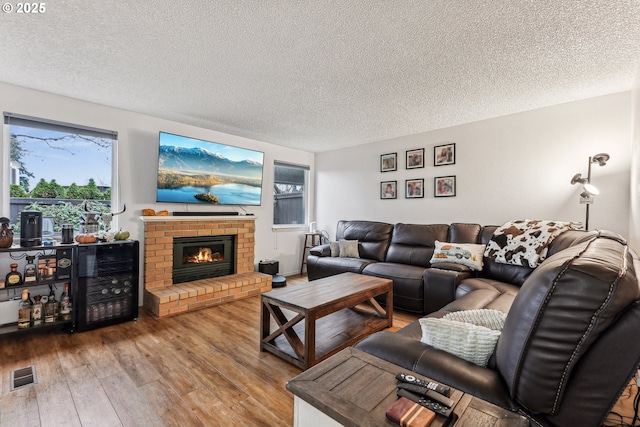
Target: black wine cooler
[107,276]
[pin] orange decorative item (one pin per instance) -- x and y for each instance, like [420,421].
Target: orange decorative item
[6,233]
[148,212]
[162,213]
[86,238]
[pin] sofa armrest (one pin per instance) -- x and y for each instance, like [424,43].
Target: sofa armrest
[440,287]
[321,250]
[440,366]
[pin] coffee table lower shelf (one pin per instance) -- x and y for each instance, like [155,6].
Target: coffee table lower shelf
[333,333]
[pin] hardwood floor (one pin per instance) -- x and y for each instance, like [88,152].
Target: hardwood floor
[202,368]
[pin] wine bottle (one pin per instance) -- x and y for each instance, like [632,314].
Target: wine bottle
[66,306]
[24,311]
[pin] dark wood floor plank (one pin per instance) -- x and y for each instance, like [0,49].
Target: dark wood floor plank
[212,411]
[169,406]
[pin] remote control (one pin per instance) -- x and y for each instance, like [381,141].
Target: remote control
[423,391]
[411,379]
[422,401]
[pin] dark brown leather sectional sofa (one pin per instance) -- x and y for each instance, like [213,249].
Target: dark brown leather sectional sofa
[570,343]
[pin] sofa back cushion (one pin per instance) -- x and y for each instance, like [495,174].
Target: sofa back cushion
[561,310]
[373,237]
[464,233]
[508,273]
[413,244]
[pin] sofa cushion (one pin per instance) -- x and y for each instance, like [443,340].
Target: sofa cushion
[413,244]
[460,232]
[561,309]
[408,289]
[468,254]
[373,237]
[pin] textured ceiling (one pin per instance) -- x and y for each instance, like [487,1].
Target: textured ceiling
[319,74]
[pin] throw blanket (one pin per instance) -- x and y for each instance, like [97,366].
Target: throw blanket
[525,242]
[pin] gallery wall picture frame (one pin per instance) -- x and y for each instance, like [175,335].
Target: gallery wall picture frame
[444,154]
[415,158]
[389,190]
[414,188]
[388,162]
[444,186]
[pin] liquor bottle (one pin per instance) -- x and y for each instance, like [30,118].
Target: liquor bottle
[14,277]
[66,306]
[30,270]
[51,308]
[24,311]
[36,311]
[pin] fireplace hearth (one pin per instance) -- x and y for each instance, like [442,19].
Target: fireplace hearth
[202,257]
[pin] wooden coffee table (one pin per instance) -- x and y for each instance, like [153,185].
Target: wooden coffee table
[317,319]
[355,389]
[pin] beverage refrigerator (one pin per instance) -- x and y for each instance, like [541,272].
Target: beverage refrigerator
[107,276]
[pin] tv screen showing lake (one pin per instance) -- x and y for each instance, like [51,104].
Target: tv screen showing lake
[229,194]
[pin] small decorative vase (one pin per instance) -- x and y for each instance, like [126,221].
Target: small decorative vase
[6,233]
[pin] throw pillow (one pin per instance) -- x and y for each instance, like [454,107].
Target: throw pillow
[489,318]
[525,242]
[335,249]
[468,254]
[454,334]
[349,249]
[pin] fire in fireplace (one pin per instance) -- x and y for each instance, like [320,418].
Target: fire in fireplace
[197,258]
[201,255]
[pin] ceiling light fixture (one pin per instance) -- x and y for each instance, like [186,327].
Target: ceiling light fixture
[588,189]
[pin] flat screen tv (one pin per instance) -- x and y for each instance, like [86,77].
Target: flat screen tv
[195,171]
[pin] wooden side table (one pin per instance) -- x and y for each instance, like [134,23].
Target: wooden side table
[354,389]
[310,240]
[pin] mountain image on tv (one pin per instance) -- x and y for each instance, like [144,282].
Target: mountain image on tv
[193,174]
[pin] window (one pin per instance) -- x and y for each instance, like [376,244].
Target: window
[55,167]
[290,194]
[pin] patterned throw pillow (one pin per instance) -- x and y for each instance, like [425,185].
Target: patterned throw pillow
[468,254]
[525,242]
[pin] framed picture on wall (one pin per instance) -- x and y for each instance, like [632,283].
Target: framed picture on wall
[444,186]
[415,158]
[388,162]
[388,190]
[444,155]
[414,188]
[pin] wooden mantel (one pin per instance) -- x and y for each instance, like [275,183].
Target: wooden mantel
[163,298]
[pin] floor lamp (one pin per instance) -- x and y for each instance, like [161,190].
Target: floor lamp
[588,190]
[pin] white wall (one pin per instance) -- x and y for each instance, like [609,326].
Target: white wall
[634,220]
[137,157]
[516,166]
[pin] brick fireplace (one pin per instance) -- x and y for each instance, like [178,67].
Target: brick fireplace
[163,298]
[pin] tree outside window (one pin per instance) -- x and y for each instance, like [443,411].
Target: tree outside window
[56,167]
